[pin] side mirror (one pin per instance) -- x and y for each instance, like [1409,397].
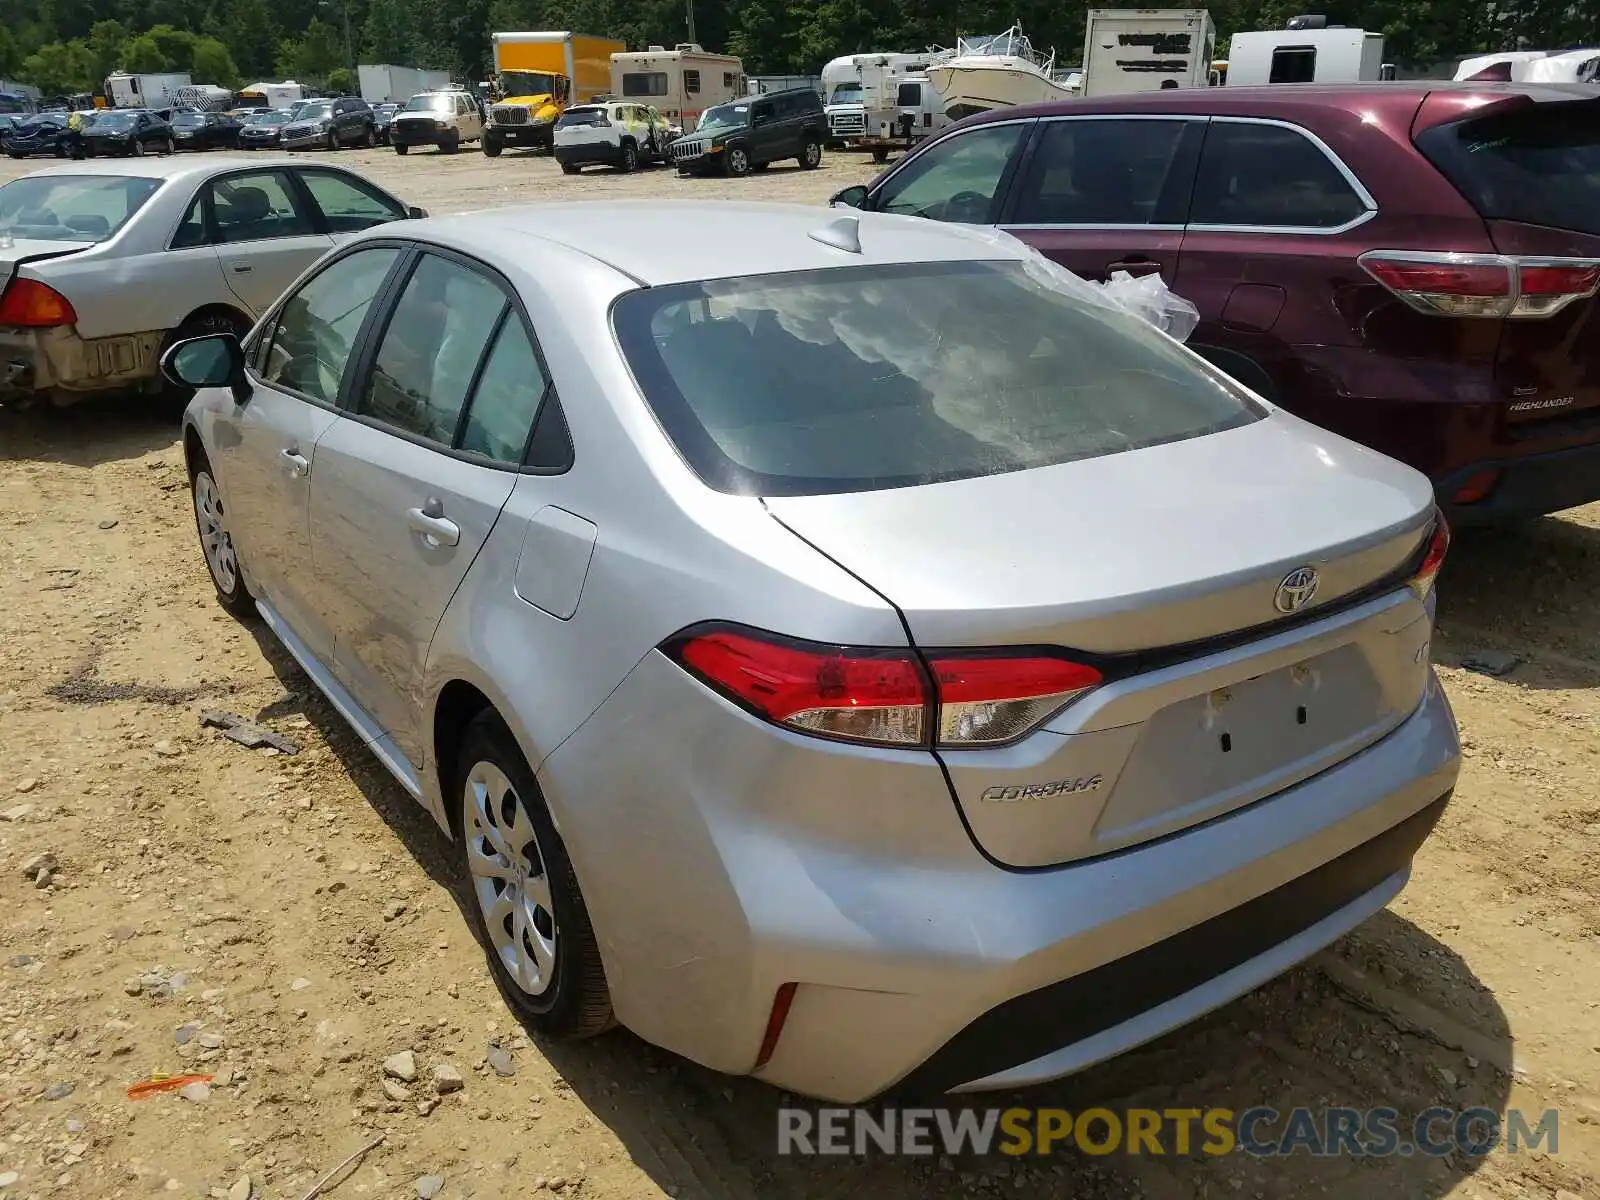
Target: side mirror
[413,213]
[854,196]
[216,360]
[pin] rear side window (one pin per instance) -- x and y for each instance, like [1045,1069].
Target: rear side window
[1539,164]
[1099,172]
[691,81]
[1270,177]
[865,378]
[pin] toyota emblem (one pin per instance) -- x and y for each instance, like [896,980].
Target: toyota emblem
[1296,590]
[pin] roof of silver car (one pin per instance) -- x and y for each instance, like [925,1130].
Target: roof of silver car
[174,166]
[677,241]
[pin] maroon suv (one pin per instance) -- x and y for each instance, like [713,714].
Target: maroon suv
[1413,265]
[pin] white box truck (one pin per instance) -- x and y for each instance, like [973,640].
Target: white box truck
[145,91]
[384,83]
[861,93]
[1308,51]
[1146,49]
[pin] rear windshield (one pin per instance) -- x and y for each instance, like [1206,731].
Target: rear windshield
[1539,164]
[581,116]
[71,208]
[864,378]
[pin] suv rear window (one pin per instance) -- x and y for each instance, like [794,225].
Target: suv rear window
[863,378]
[1539,164]
[581,116]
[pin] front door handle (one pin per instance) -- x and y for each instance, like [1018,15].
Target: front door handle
[297,464]
[240,268]
[435,528]
[1134,266]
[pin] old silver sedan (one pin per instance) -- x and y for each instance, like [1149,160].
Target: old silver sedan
[104,264]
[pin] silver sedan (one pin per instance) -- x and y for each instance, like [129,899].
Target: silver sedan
[105,264]
[839,651]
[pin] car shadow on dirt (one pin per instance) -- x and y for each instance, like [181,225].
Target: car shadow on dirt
[100,430]
[1387,1019]
[1530,592]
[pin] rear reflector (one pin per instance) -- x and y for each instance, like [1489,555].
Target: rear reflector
[1482,285]
[1438,547]
[1476,486]
[29,304]
[781,1003]
[883,696]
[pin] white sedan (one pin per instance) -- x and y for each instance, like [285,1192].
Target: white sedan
[105,264]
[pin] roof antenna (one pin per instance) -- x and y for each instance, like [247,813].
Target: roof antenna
[842,234]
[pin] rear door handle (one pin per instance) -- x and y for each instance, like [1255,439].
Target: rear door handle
[240,268]
[435,530]
[297,464]
[1134,266]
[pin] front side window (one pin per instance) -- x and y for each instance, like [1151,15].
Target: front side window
[1269,176]
[1097,172]
[865,378]
[308,347]
[431,349]
[257,206]
[348,203]
[956,180]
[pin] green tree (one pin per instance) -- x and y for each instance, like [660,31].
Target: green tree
[342,79]
[10,53]
[108,42]
[177,46]
[312,57]
[59,67]
[213,64]
[252,37]
[144,55]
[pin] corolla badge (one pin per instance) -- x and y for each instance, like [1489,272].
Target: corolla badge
[1296,590]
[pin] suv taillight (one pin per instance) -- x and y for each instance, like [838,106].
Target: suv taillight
[1482,285]
[883,696]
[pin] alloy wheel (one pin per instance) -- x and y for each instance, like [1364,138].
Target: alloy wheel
[221,558]
[509,879]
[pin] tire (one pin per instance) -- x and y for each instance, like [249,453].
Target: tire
[736,161]
[172,146]
[450,144]
[371,139]
[630,158]
[879,155]
[333,139]
[400,149]
[540,944]
[216,543]
[61,151]
[136,148]
[811,155]
[491,149]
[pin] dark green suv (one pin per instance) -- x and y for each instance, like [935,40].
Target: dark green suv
[745,135]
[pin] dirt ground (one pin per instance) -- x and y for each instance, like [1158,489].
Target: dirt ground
[288,922]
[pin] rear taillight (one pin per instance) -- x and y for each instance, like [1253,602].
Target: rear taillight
[29,304]
[1438,547]
[883,696]
[1482,285]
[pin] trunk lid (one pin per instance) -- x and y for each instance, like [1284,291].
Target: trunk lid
[17,252]
[1149,549]
[1159,550]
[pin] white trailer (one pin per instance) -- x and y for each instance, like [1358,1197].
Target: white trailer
[1146,49]
[1306,54]
[680,83]
[860,92]
[384,83]
[145,91]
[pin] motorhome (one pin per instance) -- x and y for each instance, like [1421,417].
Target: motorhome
[145,90]
[680,83]
[1146,49]
[860,92]
[1308,51]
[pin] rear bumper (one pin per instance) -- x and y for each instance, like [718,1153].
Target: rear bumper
[55,361]
[1527,487]
[585,153]
[735,859]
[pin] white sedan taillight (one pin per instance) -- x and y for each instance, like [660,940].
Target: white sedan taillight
[890,696]
[1482,285]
